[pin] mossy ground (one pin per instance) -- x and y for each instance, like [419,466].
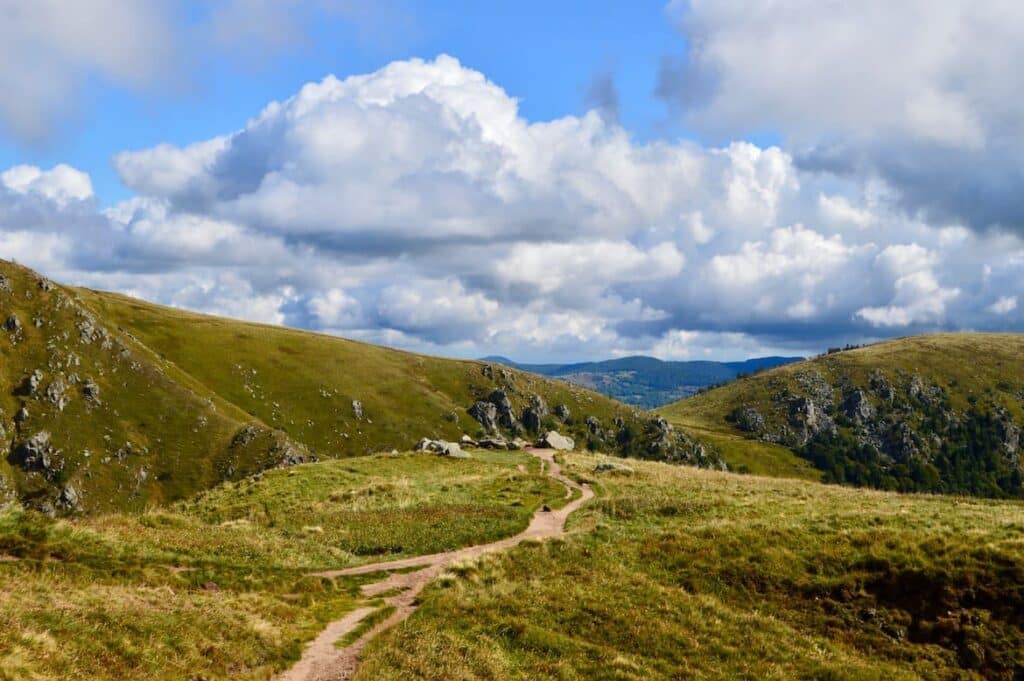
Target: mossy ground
[217,587]
[681,573]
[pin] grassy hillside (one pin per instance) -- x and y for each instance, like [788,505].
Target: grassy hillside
[113,403]
[669,572]
[216,587]
[674,572]
[937,413]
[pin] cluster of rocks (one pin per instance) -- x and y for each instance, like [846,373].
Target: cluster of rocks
[663,442]
[36,453]
[496,413]
[637,436]
[494,442]
[280,451]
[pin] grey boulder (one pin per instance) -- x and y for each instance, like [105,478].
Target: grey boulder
[554,440]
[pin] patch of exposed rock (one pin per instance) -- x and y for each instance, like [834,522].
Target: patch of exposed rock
[442,447]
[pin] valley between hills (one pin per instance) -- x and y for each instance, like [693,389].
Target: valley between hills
[190,497]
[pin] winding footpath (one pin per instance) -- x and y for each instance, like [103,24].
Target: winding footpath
[323,661]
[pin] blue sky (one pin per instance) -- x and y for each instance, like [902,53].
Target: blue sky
[545,54]
[546,181]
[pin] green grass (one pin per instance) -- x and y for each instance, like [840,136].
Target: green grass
[177,389]
[217,586]
[680,573]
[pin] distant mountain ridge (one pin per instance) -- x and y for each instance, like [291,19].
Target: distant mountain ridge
[648,382]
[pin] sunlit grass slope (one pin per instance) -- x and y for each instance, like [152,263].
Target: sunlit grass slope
[109,403]
[681,573]
[304,383]
[216,587]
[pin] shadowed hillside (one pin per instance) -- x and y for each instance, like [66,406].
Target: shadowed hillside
[928,413]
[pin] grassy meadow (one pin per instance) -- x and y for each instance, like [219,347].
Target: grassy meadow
[675,572]
[217,587]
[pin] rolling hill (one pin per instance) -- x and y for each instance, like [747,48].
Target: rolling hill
[114,403]
[937,413]
[648,382]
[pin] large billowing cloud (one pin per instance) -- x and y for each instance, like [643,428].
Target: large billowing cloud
[416,206]
[923,94]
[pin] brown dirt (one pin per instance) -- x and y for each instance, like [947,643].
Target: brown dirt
[322,661]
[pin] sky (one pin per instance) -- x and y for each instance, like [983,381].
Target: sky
[546,181]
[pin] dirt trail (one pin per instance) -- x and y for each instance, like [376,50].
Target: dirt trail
[322,661]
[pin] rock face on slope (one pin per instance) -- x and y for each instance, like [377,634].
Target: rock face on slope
[893,429]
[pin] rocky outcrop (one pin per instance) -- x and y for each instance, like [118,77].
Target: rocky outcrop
[357,410]
[91,391]
[486,414]
[748,419]
[506,418]
[856,407]
[662,442]
[30,384]
[56,393]
[69,499]
[495,442]
[533,415]
[901,443]
[880,386]
[815,386]
[36,453]
[563,413]
[807,419]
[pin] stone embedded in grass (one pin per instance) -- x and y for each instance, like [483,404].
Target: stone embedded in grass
[357,409]
[450,449]
[613,467]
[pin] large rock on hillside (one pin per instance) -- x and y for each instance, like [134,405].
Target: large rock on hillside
[808,419]
[533,416]
[554,440]
[501,402]
[486,415]
[748,419]
[857,408]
